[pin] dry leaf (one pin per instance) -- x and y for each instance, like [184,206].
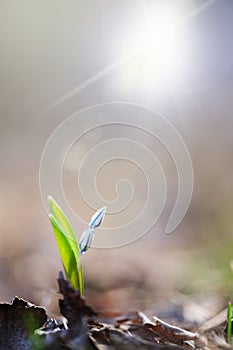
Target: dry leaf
[18,322]
[73,307]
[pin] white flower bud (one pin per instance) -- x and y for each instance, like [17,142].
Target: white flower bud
[97,218]
[86,240]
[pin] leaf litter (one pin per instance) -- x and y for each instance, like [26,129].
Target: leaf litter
[24,326]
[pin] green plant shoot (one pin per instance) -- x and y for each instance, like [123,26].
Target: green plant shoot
[70,251]
[67,245]
[229,323]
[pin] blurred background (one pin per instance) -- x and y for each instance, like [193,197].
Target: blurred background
[176,57]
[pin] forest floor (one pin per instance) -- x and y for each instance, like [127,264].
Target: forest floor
[26,326]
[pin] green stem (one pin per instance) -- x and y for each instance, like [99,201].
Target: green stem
[229,322]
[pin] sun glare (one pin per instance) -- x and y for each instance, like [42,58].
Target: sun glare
[154,49]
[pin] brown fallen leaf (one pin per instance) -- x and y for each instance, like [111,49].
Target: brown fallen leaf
[18,322]
[73,307]
[162,332]
[172,333]
[115,339]
[119,319]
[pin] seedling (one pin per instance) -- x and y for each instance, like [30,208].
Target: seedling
[229,323]
[69,249]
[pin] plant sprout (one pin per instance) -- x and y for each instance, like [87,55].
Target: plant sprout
[229,323]
[70,251]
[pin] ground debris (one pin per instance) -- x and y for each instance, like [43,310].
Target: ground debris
[116,339]
[73,307]
[90,330]
[24,326]
[18,322]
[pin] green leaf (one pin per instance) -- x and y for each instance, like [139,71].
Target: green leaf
[67,255]
[64,224]
[229,323]
[81,281]
[74,275]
